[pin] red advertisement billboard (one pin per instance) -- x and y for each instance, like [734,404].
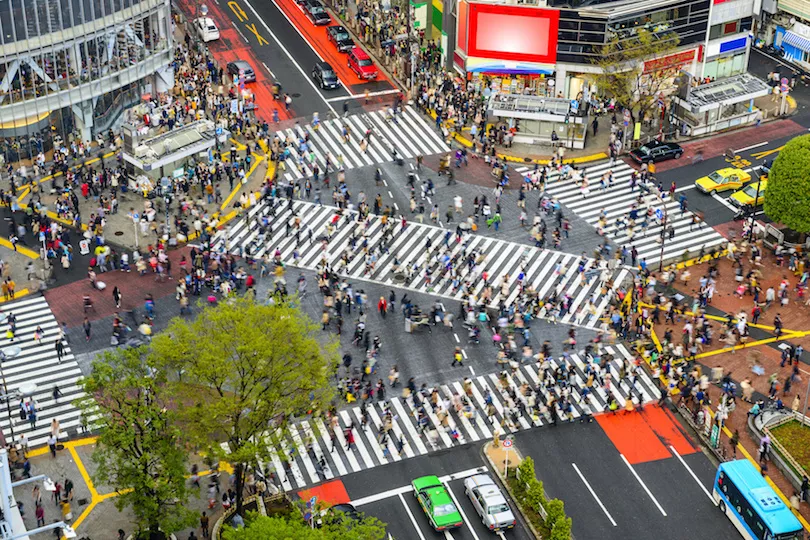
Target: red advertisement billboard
[513,33]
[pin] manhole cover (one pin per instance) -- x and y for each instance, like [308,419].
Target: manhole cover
[527,160]
[119,233]
[296,95]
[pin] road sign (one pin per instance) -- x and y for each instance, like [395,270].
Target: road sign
[507,443]
[311,502]
[307,516]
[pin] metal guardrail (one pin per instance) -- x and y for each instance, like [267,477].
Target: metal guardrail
[783,452]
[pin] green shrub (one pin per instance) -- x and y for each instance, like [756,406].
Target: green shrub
[561,529]
[556,511]
[526,470]
[535,495]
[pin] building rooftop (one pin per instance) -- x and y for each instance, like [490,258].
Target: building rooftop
[152,152]
[530,104]
[727,91]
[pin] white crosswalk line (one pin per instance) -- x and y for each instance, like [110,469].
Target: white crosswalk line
[37,364]
[408,132]
[358,441]
[616,202]
[406,418]
[472,429]
[408,247]
[327,440]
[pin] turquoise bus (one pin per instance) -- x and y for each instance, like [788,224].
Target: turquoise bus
[751,504]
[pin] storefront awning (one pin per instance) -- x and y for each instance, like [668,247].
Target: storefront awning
[797,41]
[484,65]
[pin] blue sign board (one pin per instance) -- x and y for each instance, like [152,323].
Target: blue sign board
[733,45]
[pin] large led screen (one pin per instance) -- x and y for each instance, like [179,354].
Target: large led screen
[513,33]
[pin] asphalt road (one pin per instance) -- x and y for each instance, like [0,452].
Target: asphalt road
[714,211]
[274,42]
[289,45]
[376,492]
[614,503]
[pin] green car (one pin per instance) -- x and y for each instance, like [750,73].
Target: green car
[436,503]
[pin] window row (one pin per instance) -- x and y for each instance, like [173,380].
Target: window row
[43,73]
[731,27]
[24,19]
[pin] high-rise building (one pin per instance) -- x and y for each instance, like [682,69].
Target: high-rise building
[72,66]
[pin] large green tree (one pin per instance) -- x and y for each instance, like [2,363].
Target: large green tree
[622,72]
[246,369]
[788,196]
[292,528]
[139,451]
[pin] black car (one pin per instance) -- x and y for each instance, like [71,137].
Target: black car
[340,37]
[325,76]
[317,13]
[234,69]
[656,151]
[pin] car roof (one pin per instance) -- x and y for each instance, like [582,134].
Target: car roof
[487,487]
[207,20]
[314,3]
[337,28]
[241,64]
[728,171]
[424,481]
[324,66]
[359,53]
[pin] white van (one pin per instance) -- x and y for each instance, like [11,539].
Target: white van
[206,29]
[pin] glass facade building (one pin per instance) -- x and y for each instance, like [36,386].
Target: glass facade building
[71,66]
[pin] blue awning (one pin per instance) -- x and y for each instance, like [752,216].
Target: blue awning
[796,41]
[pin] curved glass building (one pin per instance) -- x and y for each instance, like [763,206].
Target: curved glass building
[70,67]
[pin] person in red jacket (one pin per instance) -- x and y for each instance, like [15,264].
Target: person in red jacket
[382,306]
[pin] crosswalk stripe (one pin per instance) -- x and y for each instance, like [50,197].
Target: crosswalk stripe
[499,258]
[616,201]
[508,417]
[407,132]
[38,364]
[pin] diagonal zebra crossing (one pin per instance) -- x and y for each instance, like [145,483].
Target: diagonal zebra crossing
[615,201]
[547,271]
[407,132]
[304,453]
[37,367]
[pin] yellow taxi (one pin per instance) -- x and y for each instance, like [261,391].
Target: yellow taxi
[723,180]
[747,196]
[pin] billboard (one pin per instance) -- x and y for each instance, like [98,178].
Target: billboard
[513,33]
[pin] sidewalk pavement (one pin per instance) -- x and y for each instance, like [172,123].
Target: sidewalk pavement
[738,364]
[93,506]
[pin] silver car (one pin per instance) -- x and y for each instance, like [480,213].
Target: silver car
[489,502]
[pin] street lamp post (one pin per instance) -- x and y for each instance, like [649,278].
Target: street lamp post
[753,207]
[7,354]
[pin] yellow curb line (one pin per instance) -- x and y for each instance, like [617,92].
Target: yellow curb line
[258,159]
[698,260]
[72,167]
[724,319]
[22,250]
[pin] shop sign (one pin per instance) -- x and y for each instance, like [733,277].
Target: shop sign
[714,439]
[673,60]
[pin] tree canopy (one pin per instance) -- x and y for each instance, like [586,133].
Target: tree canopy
[295,528]
[246,368]
[622,70]
[139,451]
[787,199]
